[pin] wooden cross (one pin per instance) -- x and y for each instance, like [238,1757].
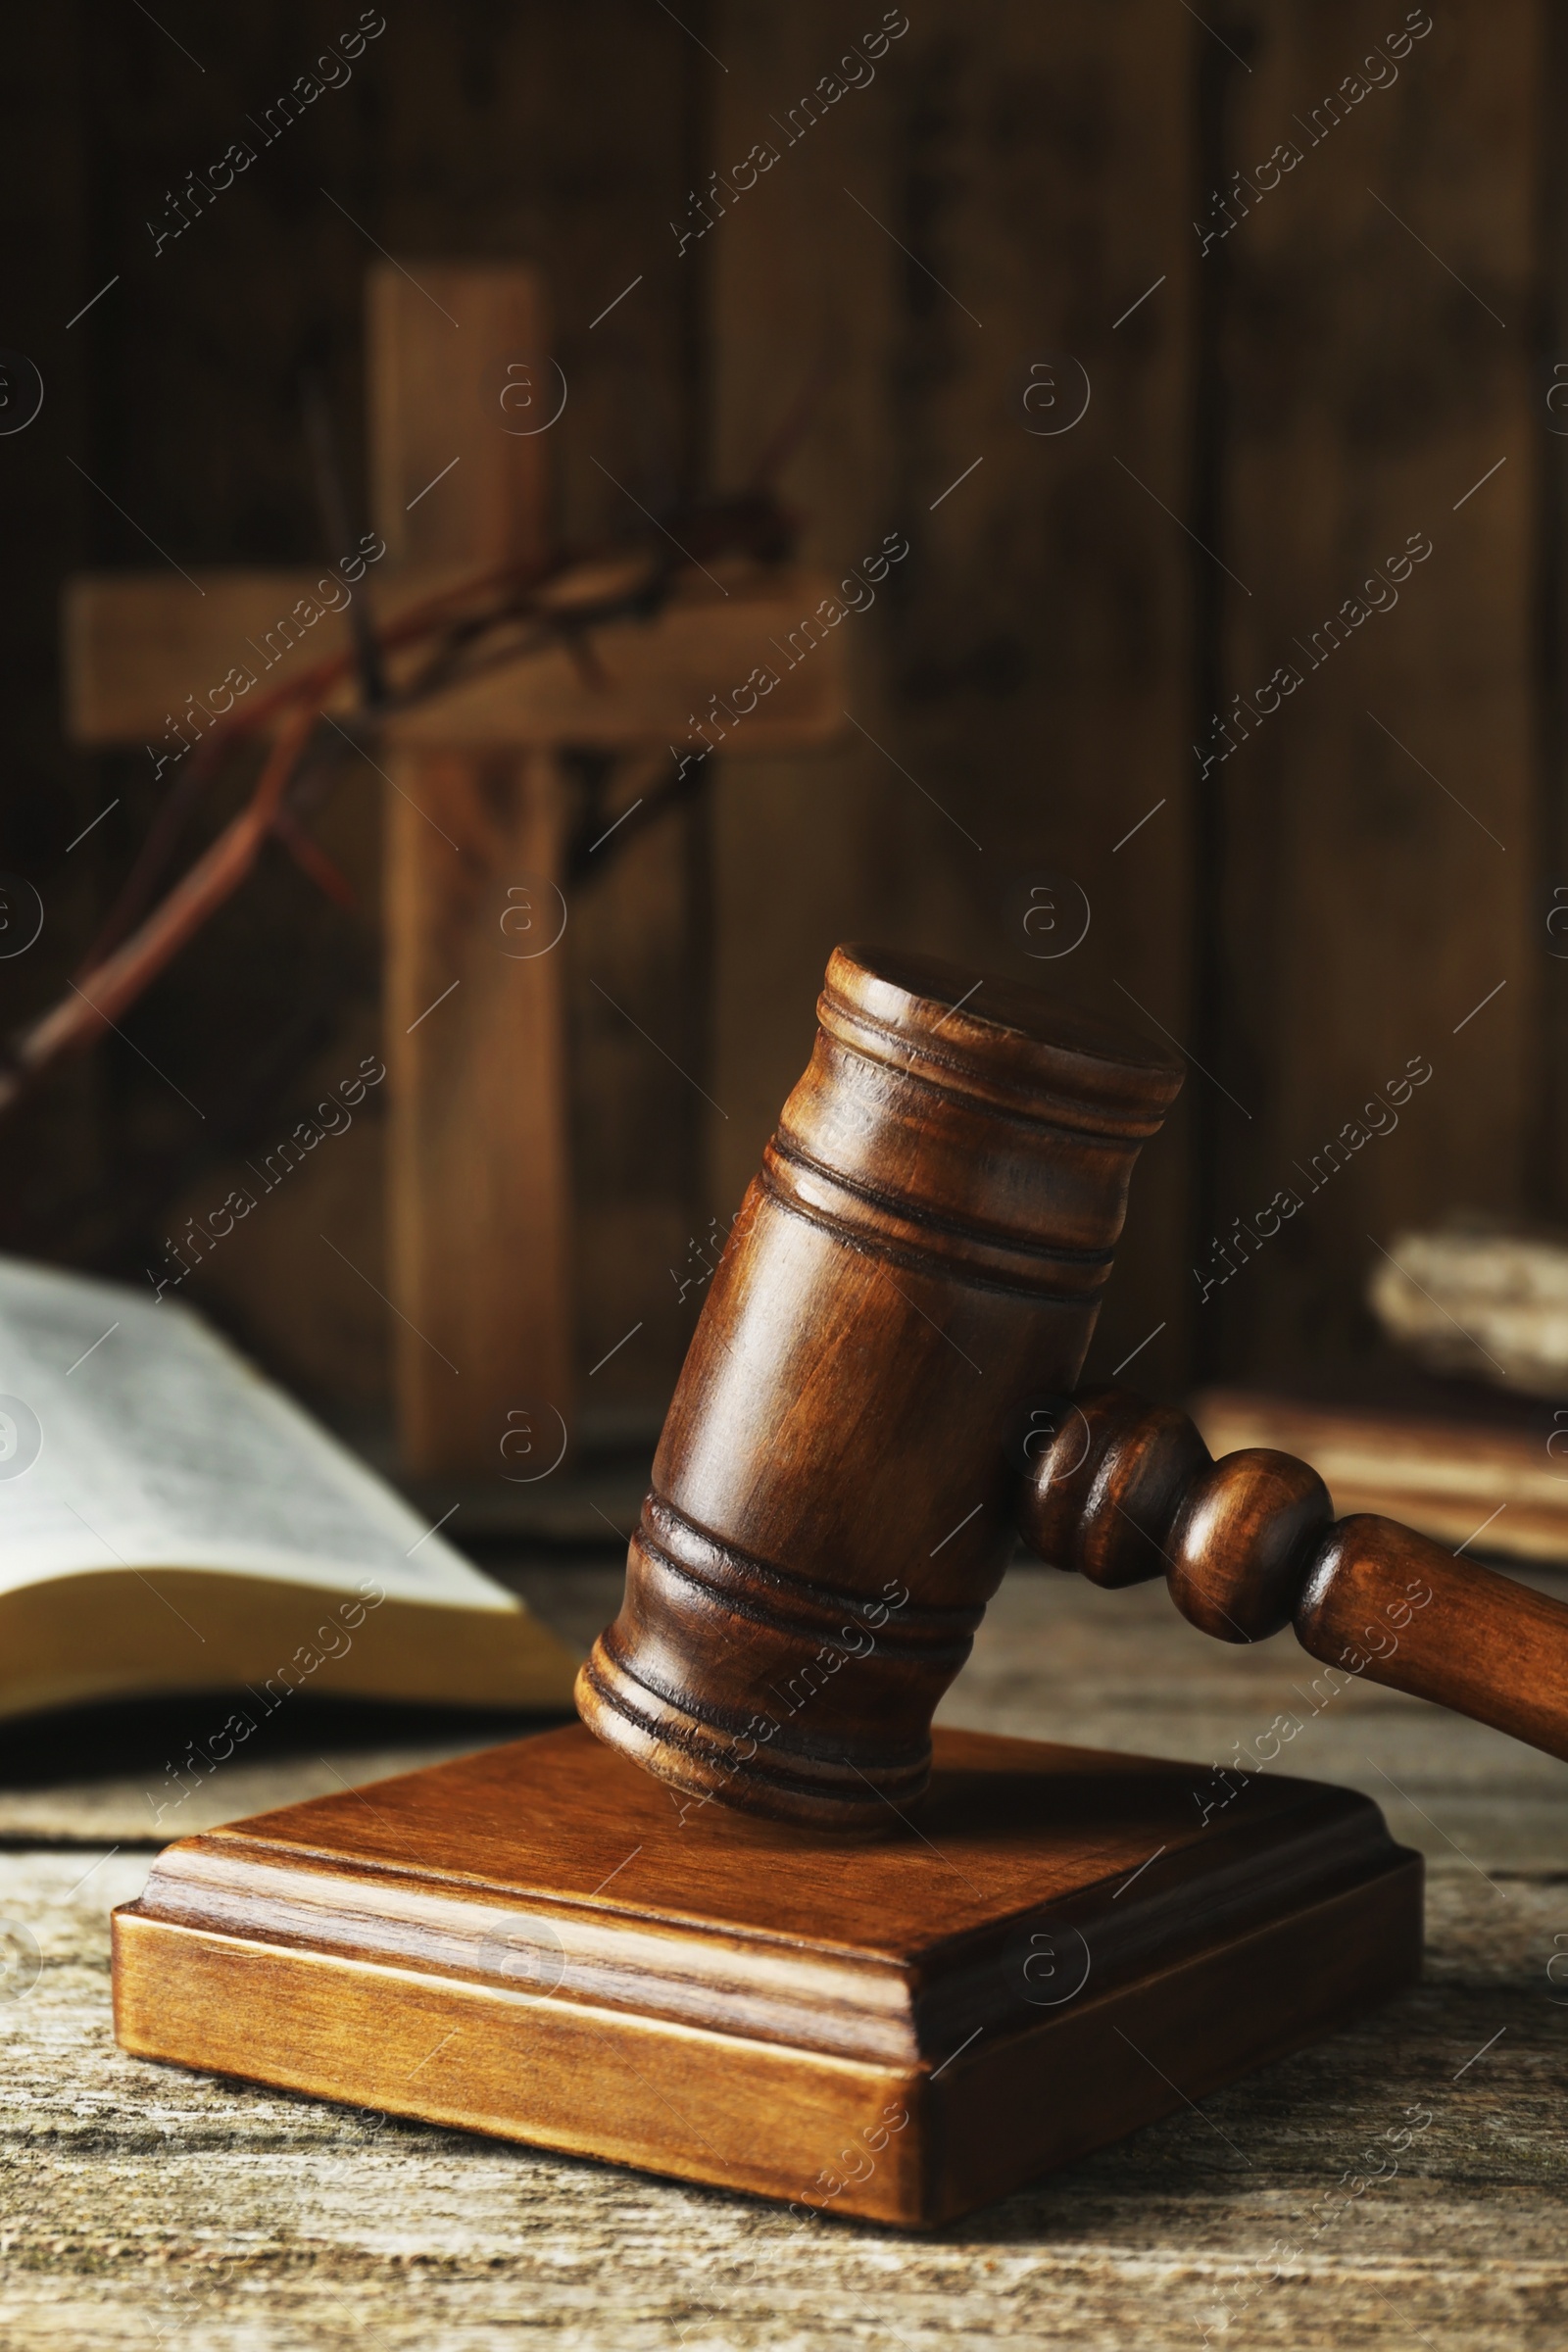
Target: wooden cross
[479,1197]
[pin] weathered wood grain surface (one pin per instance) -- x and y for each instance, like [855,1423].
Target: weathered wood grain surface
[142,2204]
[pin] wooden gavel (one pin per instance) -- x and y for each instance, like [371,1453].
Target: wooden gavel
[876,1402]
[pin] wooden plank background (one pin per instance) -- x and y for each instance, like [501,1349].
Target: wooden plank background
[1019,697]
[1330,376]
[1376,875]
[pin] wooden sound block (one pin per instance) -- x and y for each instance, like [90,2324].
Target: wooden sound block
[1052,1948]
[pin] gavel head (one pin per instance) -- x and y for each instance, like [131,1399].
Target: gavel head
[914,1274]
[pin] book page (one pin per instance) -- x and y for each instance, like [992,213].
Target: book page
[130,1432]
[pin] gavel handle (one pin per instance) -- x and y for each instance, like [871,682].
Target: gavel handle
[1126,1490]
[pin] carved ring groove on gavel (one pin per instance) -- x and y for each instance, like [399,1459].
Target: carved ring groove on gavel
[874,1405]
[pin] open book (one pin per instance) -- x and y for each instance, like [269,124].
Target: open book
[170,1521]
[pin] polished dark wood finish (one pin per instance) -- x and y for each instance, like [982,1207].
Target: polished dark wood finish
[544,1943]
[916,1267]
[910,1284]
[1124,1491]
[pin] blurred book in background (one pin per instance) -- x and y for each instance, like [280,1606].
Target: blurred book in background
[1481,1298]
[1487,1479]
[171,1521]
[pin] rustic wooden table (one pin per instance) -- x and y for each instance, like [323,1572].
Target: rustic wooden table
[143,2204]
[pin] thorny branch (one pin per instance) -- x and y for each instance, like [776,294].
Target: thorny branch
[494,619]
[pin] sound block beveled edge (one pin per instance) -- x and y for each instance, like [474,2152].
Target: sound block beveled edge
[297,1950]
